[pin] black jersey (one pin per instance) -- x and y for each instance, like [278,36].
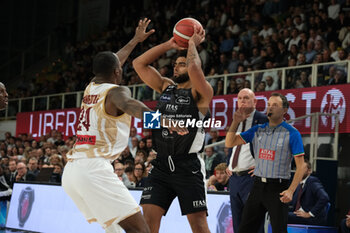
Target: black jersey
[179,104]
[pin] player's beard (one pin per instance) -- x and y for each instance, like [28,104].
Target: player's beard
[181,78]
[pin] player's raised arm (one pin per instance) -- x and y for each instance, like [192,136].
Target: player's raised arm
[140,35]
[195,71]
[149,74]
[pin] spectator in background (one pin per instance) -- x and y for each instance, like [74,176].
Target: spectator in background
[333,10]
[219,87]
[339,78]
[56,176]
[299,23]
[22,174]
[134,146]
[211,160]
[223,63]
[129,171]
[309,204]
[219,181]
[12,170]
[233,63]
[266,30]
[232,88]
[5,189]
[3,96]
[119,170]
[270,84]
[133,133]
[140,174]
[59,140]
[345,224]
[125,155]
[33,166]
[142,144]
[310,52]
[261,86]
[282,55]
[227,43]
[304,81]
[272,73]
[342,54]
[149,145]
[215,137]
[295,38]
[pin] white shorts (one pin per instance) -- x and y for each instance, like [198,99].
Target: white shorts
[97,191]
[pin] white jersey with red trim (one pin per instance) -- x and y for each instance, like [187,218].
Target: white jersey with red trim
[99,134]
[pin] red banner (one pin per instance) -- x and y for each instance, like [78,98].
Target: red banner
[326,99]
[41,123]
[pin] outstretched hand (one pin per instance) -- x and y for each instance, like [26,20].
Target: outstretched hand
[140,32]
[198,35]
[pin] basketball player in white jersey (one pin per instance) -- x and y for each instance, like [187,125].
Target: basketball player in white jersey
[102,135]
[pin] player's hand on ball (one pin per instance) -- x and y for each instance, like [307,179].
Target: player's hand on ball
[140,32]
[174,45]
[198,36]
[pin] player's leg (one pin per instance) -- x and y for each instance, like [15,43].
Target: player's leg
[108,199]
[156,198]
[153,215]
[135,223]
[191,191]
[71,186]
[198,222]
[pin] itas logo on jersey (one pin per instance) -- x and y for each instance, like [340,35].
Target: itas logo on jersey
[171,107]
[199,203]
[151,120]
[267,154]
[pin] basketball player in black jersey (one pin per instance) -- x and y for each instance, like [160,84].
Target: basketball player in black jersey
[178,170]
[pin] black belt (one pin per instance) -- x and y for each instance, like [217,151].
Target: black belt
[271,180]
[241,173]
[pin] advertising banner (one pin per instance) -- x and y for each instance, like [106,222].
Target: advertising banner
[47,208]
[326,99]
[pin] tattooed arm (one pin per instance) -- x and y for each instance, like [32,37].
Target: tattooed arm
[201,86]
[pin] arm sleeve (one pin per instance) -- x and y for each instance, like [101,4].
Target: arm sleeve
[296,143]
[248,135]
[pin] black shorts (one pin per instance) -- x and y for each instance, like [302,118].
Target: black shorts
[186,182]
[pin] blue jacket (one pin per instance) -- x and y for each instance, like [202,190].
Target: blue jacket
[258,118]
[314,199]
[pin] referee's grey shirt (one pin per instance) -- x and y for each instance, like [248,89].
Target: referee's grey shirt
[274,148]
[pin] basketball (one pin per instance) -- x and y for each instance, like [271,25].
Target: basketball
[183,31]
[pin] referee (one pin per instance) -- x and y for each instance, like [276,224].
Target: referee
[275,144]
